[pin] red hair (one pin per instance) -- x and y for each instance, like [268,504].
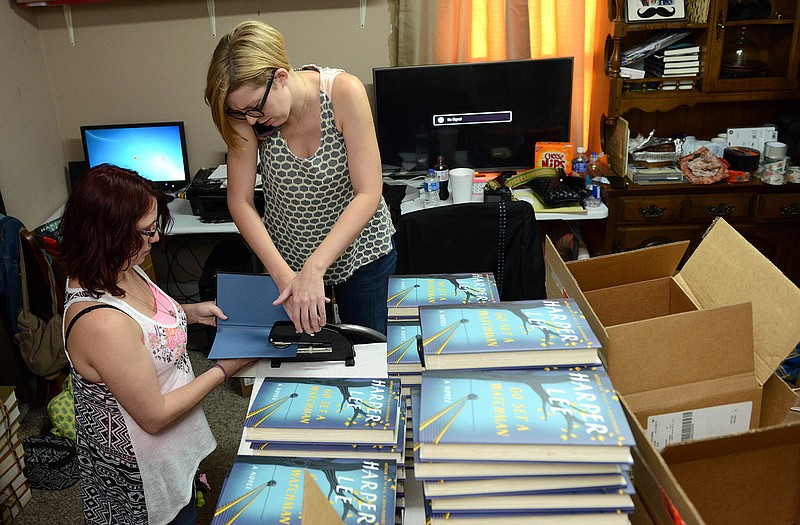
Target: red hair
[99,232]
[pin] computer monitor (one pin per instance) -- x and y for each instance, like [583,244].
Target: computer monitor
[486,116]
[155,150]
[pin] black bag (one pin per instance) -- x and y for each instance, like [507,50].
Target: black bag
[555,192]
[40,342]
[50,462]
[552,187]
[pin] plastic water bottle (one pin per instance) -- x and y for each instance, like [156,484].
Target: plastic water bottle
[431,187]
[444,177]
[593,169]
[580,163]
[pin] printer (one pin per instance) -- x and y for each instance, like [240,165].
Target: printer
[209,197]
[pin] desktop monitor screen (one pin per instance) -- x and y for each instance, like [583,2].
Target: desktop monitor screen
[486,116]
[156,151]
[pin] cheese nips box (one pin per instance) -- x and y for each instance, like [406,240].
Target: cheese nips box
[554,155]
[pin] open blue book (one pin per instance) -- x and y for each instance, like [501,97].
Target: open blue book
[247,301]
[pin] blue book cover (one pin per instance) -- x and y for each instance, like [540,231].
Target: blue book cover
[540,332]
[558,414]
[403,341]
[395,451]
[408,292]
[262,490]
[609,517]
[247,301]
[506,485]
[609,500]
[342,410]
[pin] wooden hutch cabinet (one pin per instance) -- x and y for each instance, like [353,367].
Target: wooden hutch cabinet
[721,97]
[767,216]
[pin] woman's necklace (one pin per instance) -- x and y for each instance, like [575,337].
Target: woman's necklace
[154,306]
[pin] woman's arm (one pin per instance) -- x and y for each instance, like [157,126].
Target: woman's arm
[109,349]
[241,187]
[354,119]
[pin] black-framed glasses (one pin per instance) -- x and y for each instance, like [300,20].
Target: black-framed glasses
[256,112]
[150,232]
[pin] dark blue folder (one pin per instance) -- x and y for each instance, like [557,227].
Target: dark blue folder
[247,301]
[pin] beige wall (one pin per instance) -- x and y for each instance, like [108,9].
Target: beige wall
[144,61]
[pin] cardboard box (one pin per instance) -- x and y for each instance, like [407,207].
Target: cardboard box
[708,336]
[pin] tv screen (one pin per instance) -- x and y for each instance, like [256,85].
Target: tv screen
[485,116]
[156,151]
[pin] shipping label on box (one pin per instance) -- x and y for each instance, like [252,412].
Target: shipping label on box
[677,427]
[554,155]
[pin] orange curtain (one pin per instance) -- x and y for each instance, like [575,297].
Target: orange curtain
[450,31]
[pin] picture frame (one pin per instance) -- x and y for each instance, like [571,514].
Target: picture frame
[654,10]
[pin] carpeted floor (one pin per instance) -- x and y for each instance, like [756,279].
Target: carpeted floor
[225,409]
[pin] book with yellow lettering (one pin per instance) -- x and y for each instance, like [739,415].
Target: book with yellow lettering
[549,415]
[408,292]
[262,490]
[337,410]
[510,334]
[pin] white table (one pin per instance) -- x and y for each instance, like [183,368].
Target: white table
[184,223]
[415,202]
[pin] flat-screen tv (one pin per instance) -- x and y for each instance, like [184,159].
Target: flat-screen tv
[486,116]
[155,150]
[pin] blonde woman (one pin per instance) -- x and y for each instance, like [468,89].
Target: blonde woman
[326,230]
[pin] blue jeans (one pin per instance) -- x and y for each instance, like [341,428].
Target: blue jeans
[188,514]
[361,299]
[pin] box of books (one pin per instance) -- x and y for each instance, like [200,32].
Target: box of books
[692,352]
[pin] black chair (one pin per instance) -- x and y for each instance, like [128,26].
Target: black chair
[498,237]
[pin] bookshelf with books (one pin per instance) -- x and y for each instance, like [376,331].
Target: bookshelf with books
[767,79]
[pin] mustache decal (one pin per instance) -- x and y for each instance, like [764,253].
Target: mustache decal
[650,12]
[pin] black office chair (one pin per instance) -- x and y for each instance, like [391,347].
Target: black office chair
[498,237]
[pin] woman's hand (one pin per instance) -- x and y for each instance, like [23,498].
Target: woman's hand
[304,300]
[204,313]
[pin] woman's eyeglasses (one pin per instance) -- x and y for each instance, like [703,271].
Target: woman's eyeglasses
[256,112]
[150,232]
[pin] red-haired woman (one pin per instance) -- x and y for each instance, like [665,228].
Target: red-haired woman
[141,432]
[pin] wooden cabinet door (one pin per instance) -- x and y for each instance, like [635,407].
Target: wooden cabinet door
[767,47]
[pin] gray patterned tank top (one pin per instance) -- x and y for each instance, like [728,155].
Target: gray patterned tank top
[305,196]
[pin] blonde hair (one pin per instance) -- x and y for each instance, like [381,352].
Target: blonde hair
[249,53]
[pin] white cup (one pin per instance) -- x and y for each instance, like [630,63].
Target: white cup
[461,184]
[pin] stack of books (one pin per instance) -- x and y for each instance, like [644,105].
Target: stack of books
[500,445]
[15,490]
[319,491]
[511,334]
[516,420]
[676,61]
[347,434]
[406,294]
[403,349]
[338,417]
